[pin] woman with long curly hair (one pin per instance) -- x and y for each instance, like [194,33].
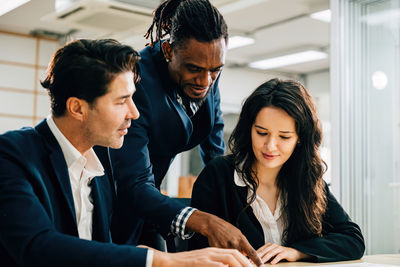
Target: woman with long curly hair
[271,185]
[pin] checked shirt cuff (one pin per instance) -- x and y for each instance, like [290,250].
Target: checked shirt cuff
[179,223]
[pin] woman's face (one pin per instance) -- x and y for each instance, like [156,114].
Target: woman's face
[273,138]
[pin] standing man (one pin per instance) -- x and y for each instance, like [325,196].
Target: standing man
[56,191]
[179,102]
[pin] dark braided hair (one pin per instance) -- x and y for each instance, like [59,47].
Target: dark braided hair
[184,19]
[300,178]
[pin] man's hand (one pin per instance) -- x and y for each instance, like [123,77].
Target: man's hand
[277,253]
[221,234]
[207,257]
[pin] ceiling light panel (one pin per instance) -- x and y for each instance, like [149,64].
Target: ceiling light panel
[239,41]
[296,58]
[8,5]
[324,15]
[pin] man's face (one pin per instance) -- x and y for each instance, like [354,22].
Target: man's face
[195,65]
[109,118]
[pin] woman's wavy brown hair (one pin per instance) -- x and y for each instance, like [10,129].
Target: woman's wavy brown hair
[300,178]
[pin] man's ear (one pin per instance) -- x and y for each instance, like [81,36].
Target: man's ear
[77,108]
[167,50]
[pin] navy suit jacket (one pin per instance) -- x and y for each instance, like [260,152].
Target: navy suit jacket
[37,216]
[162,131]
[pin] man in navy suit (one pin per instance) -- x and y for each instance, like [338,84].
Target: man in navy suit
[179,102]
[57,190]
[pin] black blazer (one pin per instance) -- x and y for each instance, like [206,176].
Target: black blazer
[37,215]
[216,192]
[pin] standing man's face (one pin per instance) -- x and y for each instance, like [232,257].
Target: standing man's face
[195,65]
[109,118]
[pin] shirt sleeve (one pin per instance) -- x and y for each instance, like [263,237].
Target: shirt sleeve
[149,258]
[179,223]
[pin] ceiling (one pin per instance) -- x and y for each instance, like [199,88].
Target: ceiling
[278,26]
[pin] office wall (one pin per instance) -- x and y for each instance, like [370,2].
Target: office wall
[23,62]
[236,84]
[318,85]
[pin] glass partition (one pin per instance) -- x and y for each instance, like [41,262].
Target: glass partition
[365,93]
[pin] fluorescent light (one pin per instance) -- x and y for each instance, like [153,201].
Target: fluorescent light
[8,5]
[238,41]
[324,15]
[291,59]
[227,8]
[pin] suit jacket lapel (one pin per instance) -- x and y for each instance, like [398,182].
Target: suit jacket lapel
[171,94]
[103,195]
[59,166]
[255,234]
[242,193]
[187,123]
[100,231]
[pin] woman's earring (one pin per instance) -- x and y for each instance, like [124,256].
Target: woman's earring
[167,60]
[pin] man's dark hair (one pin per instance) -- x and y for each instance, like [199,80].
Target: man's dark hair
[184,19]
[85,68]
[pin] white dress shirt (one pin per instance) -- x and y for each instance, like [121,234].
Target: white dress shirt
[82,168]
[272,224]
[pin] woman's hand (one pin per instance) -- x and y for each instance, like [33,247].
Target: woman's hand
[276,253]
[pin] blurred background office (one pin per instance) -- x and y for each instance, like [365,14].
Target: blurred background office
[346,52]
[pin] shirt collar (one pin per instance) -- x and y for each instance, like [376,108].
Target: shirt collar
[238,179]
[93,165]
[88,160]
